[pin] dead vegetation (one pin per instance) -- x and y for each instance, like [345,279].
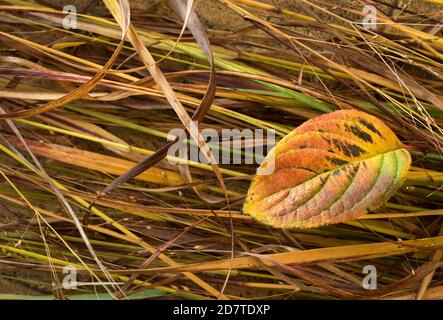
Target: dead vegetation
[81,107]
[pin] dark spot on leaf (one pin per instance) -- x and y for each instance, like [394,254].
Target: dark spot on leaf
[341,170]
[370,126]
[361,134]
[349,150]
[355,150]
[337,161]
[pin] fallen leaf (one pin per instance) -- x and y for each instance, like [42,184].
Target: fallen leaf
[331,169]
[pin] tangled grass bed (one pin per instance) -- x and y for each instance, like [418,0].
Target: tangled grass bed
[80,107]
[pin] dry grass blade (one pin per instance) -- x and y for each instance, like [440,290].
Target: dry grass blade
[344,253]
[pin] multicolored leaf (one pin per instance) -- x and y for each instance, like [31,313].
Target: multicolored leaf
[330,169]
